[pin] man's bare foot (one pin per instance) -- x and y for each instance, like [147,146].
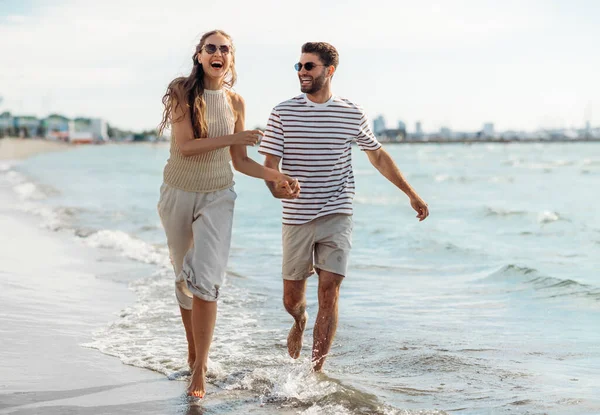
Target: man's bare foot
[294,340]
[318,365]
[197,388]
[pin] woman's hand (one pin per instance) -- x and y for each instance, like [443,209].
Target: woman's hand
[246,138]
[286,187]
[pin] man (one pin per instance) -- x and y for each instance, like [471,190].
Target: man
[311,135]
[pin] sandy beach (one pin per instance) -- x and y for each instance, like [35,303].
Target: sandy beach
[20,148]
[50,304]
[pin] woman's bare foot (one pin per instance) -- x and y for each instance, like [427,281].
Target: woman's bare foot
[197,388]
[294,340]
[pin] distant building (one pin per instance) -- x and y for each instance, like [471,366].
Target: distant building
[6,124]
[392,135]
[418,128]
[86,130]
[26,125]
[488,130]
[401,125]
[378,124]
[446,133]
[56,127]
[99,129]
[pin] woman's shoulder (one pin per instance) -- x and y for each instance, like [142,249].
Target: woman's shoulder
[236,100]
[177,89]
[177,84]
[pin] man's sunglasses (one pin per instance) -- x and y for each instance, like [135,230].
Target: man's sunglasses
[211,49]
[309,66]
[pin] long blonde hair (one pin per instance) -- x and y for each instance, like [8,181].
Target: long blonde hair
[189,91]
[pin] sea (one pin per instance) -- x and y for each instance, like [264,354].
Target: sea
[490,306]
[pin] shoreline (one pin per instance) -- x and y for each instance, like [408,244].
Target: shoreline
[494,141]
[21,148]
[54,294]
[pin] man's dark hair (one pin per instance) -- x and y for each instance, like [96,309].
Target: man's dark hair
[326,52]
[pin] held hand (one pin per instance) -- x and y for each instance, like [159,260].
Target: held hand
[420,207]
[247,138]
[286,188]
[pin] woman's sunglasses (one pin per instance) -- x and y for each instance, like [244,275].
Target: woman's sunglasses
[211,49]
[309,66]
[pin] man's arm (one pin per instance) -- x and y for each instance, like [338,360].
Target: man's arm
[384,163]
[277,189]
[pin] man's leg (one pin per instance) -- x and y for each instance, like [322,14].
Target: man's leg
[327,318]
[294,300]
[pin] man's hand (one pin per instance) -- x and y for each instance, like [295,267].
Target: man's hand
[420,207]
[285,189]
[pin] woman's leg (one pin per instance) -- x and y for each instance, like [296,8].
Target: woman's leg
[204,315]
[204,267]
[186,318]
[176,211]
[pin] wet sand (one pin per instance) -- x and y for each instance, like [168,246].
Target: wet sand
[54,293]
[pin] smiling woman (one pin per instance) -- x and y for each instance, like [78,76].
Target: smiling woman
[197,197]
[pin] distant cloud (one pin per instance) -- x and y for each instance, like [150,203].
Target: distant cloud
[460,62]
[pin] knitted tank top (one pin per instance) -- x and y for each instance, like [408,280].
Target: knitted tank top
[211,171]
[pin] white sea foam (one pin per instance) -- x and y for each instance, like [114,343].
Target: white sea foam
[590,162]
[331,409]
[548,217]
[6,165]
[128,246]
[28,190]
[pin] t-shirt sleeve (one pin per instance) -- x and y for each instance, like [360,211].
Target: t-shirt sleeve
[272,141]
[365,139]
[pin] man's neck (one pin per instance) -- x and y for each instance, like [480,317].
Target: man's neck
[321,96]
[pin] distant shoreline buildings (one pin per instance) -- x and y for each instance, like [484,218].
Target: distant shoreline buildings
[96,130]
[57,127]
[487,133]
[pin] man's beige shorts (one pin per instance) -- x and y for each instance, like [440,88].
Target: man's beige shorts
[323,243]
[198,228]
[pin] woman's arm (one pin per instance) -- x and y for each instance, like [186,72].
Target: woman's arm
[244,164]
[181,127]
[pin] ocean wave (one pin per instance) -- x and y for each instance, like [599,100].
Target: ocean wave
[543,217]
[549,216]
[501,179]
[24,187]
[590,162]
[490,211]
[244,357]
[52,218]
[128,246]
[6,166]
[315,393]
[440,178]
[548,287]
[543,165]
[590,171]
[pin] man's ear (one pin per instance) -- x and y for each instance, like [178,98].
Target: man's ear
[331,70]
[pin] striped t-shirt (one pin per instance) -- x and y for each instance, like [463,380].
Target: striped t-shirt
[314,143]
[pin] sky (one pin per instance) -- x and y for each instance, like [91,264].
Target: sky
[523,65]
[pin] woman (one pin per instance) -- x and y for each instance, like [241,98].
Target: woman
[197,197]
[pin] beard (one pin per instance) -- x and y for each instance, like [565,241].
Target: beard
[316,86]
